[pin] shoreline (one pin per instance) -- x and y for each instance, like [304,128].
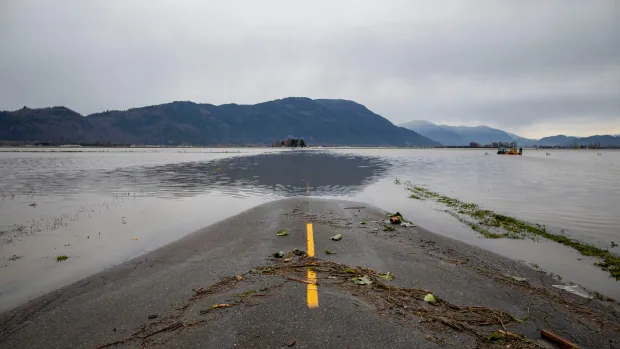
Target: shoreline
[124,296]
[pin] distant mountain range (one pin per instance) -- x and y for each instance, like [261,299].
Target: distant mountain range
[463,135]
[319,122]
[567,141]
[483,135]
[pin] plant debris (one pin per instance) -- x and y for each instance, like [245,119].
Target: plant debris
[61,258]
[282,232]
[298,252]
[329,252]
[388,228]
[278,254]
[411,304]
[516,278]
[429,298]
[495,225]
[386,276]
[361,280]
[336,237]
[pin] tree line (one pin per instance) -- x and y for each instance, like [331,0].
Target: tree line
[291,143]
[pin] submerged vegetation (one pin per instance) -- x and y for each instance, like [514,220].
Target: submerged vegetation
[494,226]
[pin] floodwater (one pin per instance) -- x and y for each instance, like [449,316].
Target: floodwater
[101,207]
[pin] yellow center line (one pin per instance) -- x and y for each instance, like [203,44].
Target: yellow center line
[313,289]
[310,240]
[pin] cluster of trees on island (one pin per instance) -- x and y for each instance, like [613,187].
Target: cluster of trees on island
[494,145]
[291,143]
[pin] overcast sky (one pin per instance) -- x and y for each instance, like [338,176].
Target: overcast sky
[535,68]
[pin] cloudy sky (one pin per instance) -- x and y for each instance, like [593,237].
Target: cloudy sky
[535,68]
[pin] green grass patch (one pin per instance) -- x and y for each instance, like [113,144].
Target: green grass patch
[61,258]
[494,225]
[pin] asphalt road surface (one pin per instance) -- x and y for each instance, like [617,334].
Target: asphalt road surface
[221,287]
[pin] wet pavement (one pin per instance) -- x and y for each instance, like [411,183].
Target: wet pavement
[220,287]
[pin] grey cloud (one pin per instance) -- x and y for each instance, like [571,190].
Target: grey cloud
[462,62]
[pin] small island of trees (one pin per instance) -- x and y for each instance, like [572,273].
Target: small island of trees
[291,143]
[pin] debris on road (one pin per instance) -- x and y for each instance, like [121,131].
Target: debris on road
[298,252]
[407,225]
[151,317]
[223,305]
[556,339]
[238,277]
[574,290]
[329,252]
[278,254]
[291,343]
[282,232]
[302,281]
[388,228]
[336,237]
[516,278]
[396,218]
[361,280]
[363,222]
[429,298]
[386,276]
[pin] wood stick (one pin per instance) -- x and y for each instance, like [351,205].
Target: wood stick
[302,281]
[562,342]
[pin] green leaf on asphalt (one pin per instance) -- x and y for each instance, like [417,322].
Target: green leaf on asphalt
[337,237]
[329,252]
[430,298]
[361,280]
[282,232]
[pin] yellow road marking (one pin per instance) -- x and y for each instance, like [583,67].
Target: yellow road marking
[312,290]
[310,240]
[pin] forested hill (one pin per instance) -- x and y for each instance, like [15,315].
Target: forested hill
[319,122]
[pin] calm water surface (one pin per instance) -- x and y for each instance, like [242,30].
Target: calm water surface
[103,207]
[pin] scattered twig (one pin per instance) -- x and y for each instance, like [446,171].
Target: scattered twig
[302,281]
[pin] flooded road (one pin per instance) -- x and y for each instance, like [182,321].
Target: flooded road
[102,207]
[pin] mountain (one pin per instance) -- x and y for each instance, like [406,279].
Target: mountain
[319,122]
[558,140]
[435,132]
[463,135]
[597,140]
[522,141]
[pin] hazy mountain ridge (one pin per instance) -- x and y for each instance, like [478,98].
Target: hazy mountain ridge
[463,135]
[568,141]
[443,135]
[321,121]
[484,135]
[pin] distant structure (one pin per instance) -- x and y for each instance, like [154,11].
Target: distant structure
[291,143]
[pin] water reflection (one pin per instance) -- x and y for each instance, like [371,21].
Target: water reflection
[285,174]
